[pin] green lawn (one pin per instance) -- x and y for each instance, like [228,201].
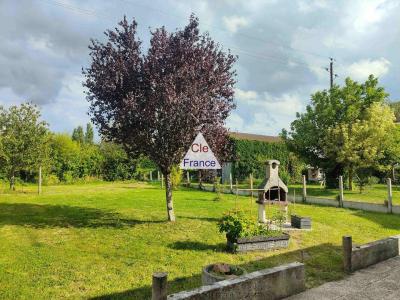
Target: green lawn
[105,240]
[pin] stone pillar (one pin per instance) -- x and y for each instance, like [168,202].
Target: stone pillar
[261,213]
[341,195]
[304,189]
[159,286]
[390,195]
[347,244]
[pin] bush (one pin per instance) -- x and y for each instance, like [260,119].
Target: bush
[218,188]
[237,224]
[68,177]
[176,177]
[364,180]
[51,180]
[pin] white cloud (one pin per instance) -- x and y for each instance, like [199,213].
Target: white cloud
[264,113]
[362,69]
[233,23]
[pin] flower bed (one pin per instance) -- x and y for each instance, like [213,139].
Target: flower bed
[259,243]
[244,233]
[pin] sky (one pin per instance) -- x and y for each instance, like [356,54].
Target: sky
[283,48]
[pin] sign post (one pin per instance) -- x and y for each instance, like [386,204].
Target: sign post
[200,156]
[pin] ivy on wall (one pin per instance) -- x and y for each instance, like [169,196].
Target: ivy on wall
[250,157]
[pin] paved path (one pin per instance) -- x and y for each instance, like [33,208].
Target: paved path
[380,281]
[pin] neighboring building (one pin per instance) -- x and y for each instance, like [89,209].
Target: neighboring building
[315,174]
[227,167]
[255,137]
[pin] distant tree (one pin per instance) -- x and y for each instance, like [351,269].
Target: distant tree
[89,134]
[24,139]
[78,135]
[116,163]
[155,103]
[396,109]
[65,156]
[344,129]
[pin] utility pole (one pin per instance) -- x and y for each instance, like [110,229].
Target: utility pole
[330,70]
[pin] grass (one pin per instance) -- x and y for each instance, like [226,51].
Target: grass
[104,241]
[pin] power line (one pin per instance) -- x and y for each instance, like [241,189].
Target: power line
[245,52]
[226,30]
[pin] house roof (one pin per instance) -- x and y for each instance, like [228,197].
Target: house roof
[255,137]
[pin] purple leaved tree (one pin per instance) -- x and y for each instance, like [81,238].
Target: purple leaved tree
[155,102]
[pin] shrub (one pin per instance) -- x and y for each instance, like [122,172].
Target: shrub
[68,177]
[51,179]
[218,188]
[363,179]
[176,177]
[237,224]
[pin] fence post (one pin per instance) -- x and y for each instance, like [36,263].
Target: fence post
[251,184]
[304,189]
[347,245]
[162,181]
[151,175]
[230,182]
[390,195]
[341,196]
[159,286]
[158,175]
[188,178]
[40,180]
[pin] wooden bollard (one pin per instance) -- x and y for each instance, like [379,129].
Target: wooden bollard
[159,286]
[347,245]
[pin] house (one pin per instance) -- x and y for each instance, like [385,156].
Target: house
[227,166]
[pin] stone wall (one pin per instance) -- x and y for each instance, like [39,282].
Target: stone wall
[359,257]
[365,206]
[274,283]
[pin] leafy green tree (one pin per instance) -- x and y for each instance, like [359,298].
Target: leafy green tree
[78,135]
[396,109]
[23,139]
[343,129]
[65,154]
[89,134]
[116,163]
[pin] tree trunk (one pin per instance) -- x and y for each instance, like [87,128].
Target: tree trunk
[351,179]
[12,181]
[200,180]
[168,195]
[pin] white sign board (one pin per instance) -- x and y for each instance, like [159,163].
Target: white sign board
[199,156]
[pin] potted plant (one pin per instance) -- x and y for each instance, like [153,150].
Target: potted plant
[220,271]
[244,233]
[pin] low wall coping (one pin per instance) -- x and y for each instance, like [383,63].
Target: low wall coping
[236,282]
